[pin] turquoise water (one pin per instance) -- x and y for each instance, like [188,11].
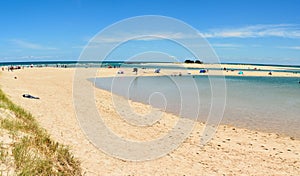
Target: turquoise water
[269,104]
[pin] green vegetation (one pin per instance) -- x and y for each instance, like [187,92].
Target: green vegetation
[32,149]
[188,61]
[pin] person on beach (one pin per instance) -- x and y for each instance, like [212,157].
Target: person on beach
[157,70]
[30,96]
[270,73]
[135,70]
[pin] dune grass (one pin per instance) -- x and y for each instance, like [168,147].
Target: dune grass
[33,151]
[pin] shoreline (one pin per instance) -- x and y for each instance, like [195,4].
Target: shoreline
[222,124]
[104,72]
[261,153]
[214,69]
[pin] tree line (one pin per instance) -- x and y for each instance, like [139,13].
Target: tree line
[188,61]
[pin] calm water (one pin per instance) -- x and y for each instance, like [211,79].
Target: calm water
[262,103]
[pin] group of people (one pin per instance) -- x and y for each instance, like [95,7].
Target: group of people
[15,67]
[11,68]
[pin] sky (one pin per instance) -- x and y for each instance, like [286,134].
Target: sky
[247,31]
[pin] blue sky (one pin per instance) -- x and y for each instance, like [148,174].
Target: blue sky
[252,31]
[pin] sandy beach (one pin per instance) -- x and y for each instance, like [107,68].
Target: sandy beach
[232,151]
[248,70]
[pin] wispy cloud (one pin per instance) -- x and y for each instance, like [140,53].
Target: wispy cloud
[30,45]
[122,37]
[262,30]
[290,47]
[226,45]
[78,47]
[29,57]
[252,31]
[111,38]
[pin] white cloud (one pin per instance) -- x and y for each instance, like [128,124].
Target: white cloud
[28,57]
[29,45]
[122,37]
[226,45]
[261,30]
[252,31]
[78,47]
[290,47]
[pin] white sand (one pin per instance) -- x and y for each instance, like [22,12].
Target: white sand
[233,151]
[252,70]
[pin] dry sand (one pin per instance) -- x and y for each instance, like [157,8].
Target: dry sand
[230,66]
[250,70]
[233,151]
